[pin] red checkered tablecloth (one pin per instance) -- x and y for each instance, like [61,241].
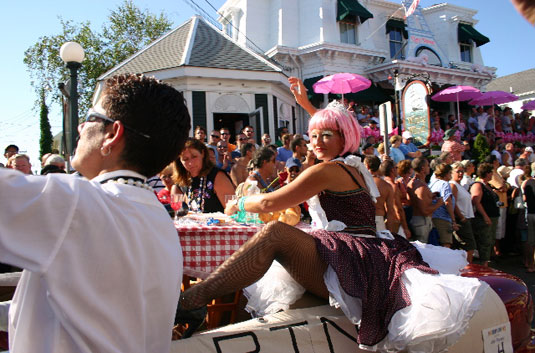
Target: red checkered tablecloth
[206,247]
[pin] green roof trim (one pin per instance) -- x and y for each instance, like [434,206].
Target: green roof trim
[351,9]
[468,32]
[397,24]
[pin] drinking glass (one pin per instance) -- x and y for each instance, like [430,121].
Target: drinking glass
[177,204]
[229,198]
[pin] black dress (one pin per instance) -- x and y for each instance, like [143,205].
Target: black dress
[201,194]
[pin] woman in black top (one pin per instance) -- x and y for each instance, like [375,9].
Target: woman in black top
[204,185]
[486,211]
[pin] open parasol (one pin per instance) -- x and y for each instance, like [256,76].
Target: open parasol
[457,94]
[529,105]
[342,83]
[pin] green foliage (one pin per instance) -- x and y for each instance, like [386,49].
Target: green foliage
[481,148]
[127,31]
[45,141]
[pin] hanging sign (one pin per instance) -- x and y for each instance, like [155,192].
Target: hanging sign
[416,111]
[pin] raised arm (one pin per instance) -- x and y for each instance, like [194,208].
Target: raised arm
[300,93]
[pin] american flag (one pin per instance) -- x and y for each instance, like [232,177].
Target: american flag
[412,8]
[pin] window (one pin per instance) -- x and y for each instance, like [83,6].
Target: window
[466,51]
[396,43]
[396,29]
[348,32]
[432,57]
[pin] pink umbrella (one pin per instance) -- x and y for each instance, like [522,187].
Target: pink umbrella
[528,106]
[457,94]
[342,83]
[493,97]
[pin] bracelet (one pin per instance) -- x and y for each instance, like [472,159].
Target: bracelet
[241,203]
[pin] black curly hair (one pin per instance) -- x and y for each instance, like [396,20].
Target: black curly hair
[148,107]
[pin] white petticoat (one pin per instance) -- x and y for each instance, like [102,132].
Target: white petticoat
[447,301]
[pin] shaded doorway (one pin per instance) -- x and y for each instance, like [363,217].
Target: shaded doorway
[233,121]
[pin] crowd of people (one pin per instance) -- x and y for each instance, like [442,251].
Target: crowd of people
[359,201]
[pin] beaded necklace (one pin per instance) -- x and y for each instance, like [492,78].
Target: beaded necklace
[133,181]
[197,203]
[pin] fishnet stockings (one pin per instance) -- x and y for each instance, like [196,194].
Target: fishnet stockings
[293,248]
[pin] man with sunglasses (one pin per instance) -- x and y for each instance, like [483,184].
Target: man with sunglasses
[101,257]
[225,136]
[213,139]
[241,140]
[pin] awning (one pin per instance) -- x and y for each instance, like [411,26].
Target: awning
[351,9]
[467,32]
[372,94]
[397,24]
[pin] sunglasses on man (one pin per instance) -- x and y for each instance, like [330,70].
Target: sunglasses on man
[93,116]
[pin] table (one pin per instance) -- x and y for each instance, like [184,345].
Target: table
[206,247]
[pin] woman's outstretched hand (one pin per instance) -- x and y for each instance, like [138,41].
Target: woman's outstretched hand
[300,93]
[231,208]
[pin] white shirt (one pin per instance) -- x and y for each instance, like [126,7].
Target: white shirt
[464,201]
[498,155]
[103,264]
[466,182]
[482,121]
[513,177]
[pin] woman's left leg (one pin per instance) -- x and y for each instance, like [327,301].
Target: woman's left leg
[291,247]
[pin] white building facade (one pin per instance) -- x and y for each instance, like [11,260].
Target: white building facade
[315,38]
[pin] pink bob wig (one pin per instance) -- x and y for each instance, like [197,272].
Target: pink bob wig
[338,120]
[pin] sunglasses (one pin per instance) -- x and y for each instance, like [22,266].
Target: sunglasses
[216,136]
[225,133]
[92,116]
[243,139]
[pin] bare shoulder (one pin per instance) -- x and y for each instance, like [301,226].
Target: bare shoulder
[221,176]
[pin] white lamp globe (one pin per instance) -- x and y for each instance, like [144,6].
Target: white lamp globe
[71,52]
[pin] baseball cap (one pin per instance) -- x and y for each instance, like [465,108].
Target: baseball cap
[293,162]
[528,149]
[406,135]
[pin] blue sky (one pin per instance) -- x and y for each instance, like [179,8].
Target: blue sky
[510,50]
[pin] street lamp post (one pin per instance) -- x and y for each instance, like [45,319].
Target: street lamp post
[72,54]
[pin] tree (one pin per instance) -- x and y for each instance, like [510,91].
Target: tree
[45,141]
[481,148]
[127,31]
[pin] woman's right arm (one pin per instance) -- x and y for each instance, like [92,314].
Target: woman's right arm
[300,93]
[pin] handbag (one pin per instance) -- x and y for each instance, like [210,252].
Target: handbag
[519,203]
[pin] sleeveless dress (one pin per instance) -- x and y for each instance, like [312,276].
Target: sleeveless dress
[381,282]
[201,193]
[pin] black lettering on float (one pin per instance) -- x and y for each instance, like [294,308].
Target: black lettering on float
[501,348]
[292,333]
[324,322]
[237,335]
